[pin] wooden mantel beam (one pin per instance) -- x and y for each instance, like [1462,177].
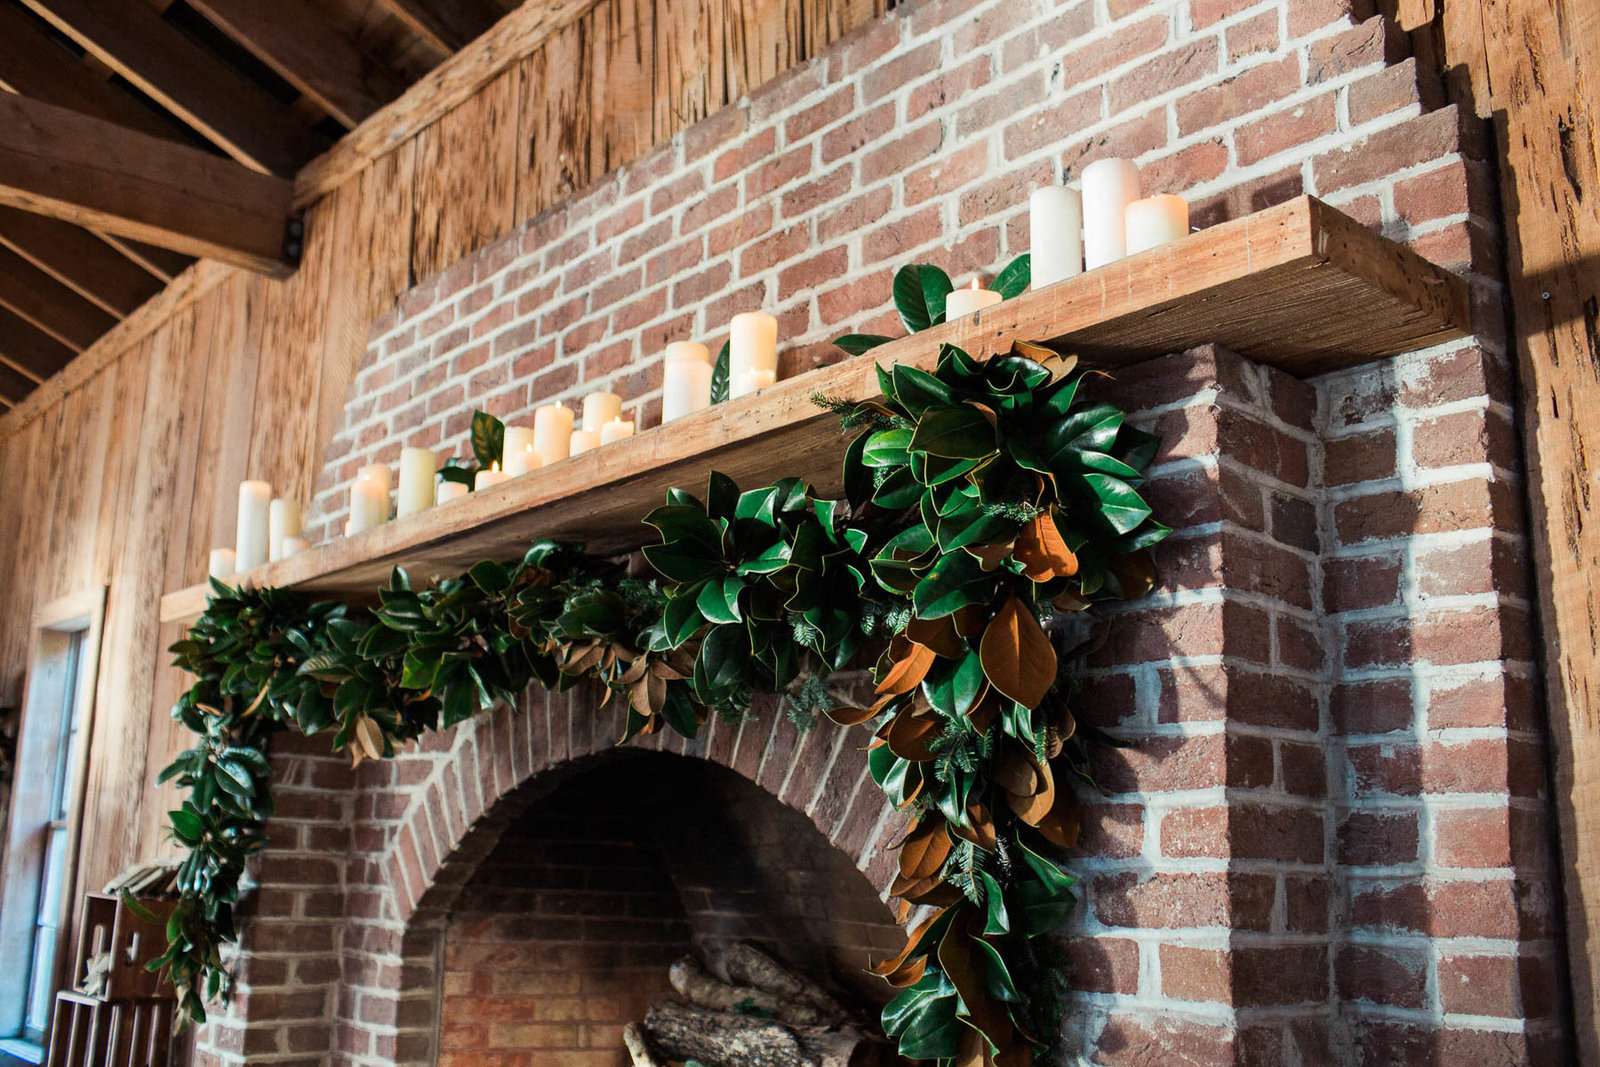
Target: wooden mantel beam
[59,163]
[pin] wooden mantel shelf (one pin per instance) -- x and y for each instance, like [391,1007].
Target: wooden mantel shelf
[1299,286]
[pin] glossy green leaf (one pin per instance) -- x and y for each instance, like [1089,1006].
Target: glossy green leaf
[857,343]
[488,438]
[1014,278]
[955,432]
[719,374]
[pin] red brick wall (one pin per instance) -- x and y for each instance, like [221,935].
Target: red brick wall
[565,931]
[1327,844]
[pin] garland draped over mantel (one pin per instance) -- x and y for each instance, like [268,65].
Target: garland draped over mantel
[981,501]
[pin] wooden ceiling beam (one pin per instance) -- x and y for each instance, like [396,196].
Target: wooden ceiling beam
[59,163]
[29,350]
[14,386]
[49,305]
[218,101]
[79,260]
[33,64]
[162,263]
[446,25]
[297,41]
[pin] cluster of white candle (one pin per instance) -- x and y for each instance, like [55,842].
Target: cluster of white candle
[1072,230]
[268,529]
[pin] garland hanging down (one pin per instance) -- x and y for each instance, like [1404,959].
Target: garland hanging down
[981,499]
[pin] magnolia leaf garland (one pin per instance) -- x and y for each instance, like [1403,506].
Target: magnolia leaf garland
[982,499]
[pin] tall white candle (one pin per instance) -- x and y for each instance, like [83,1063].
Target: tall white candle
[692,351]
[1109,186]
[1055,234]
[615,430]
[283,521]
[381,478]
[418,468]
[685,386]
[449,491]
[584,440]
[552,432]
[222,564]
[749,381]
[752,344]
[293,546]
[600,408]
[252,542]
[369,500]
[967,301]
[1155,220]
[486,478]
[518,453]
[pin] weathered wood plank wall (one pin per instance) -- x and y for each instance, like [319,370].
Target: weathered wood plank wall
[122,472]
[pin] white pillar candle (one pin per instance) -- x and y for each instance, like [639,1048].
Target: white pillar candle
[491,477]
[1155,220]
[746,382]
[283,521]
[369,500]
[293,546]
[382,477]
[691,351]
[685,386]
[222,564]
[615,430]
[1109,186]
[252,542]
[552,433]
[449,491]
[599,409]
[418,469]
[1055,234]
[752,344]
[967,301]
[584,440]
[518,454]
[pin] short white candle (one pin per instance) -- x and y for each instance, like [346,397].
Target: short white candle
[252,542]
[747,382]
[369,500]
[1055,234]
[1109,186]
[418,469]
[379,475]
[515,448]
[449,491]
[1155,220]
[615,430]
[752,344]
[283,522]
[692,351]
[552,432]
[962,302]
[493,476]
[685,386]
[584,440]
[600,408]
[223,563]
[293,546]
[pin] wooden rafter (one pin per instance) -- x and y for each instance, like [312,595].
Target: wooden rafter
[27,349]
[34,65]
[13,386]
[162,263]
[79,260]
[49,305]
[59,163]
[209,95]
[297,41]
[446,25]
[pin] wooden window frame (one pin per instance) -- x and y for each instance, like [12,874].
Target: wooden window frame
[80,613]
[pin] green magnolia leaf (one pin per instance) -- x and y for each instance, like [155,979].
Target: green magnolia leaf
[955,432]
[997,976]
[996,920]
[488,438]
[887,448]
[1015,278]
[955,581]
[857,343]
[719,601]
[916,390]
[719,373]
[189,827]
[452,471]
[490,577]
[919,296]
[1119,508]
[678,710]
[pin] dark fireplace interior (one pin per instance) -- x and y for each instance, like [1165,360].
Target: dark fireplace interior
[565,932]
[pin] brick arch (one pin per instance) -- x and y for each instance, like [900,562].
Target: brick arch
[445,805]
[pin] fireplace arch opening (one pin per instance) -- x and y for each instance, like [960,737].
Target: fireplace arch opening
[618,866]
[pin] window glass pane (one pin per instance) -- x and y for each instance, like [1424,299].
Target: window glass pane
[40,995]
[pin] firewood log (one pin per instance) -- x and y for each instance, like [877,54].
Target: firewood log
[723,1039]
[639,1047]
[700,987]
[748,965]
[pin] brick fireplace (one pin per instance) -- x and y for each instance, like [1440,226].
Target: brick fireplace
[1327,843]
